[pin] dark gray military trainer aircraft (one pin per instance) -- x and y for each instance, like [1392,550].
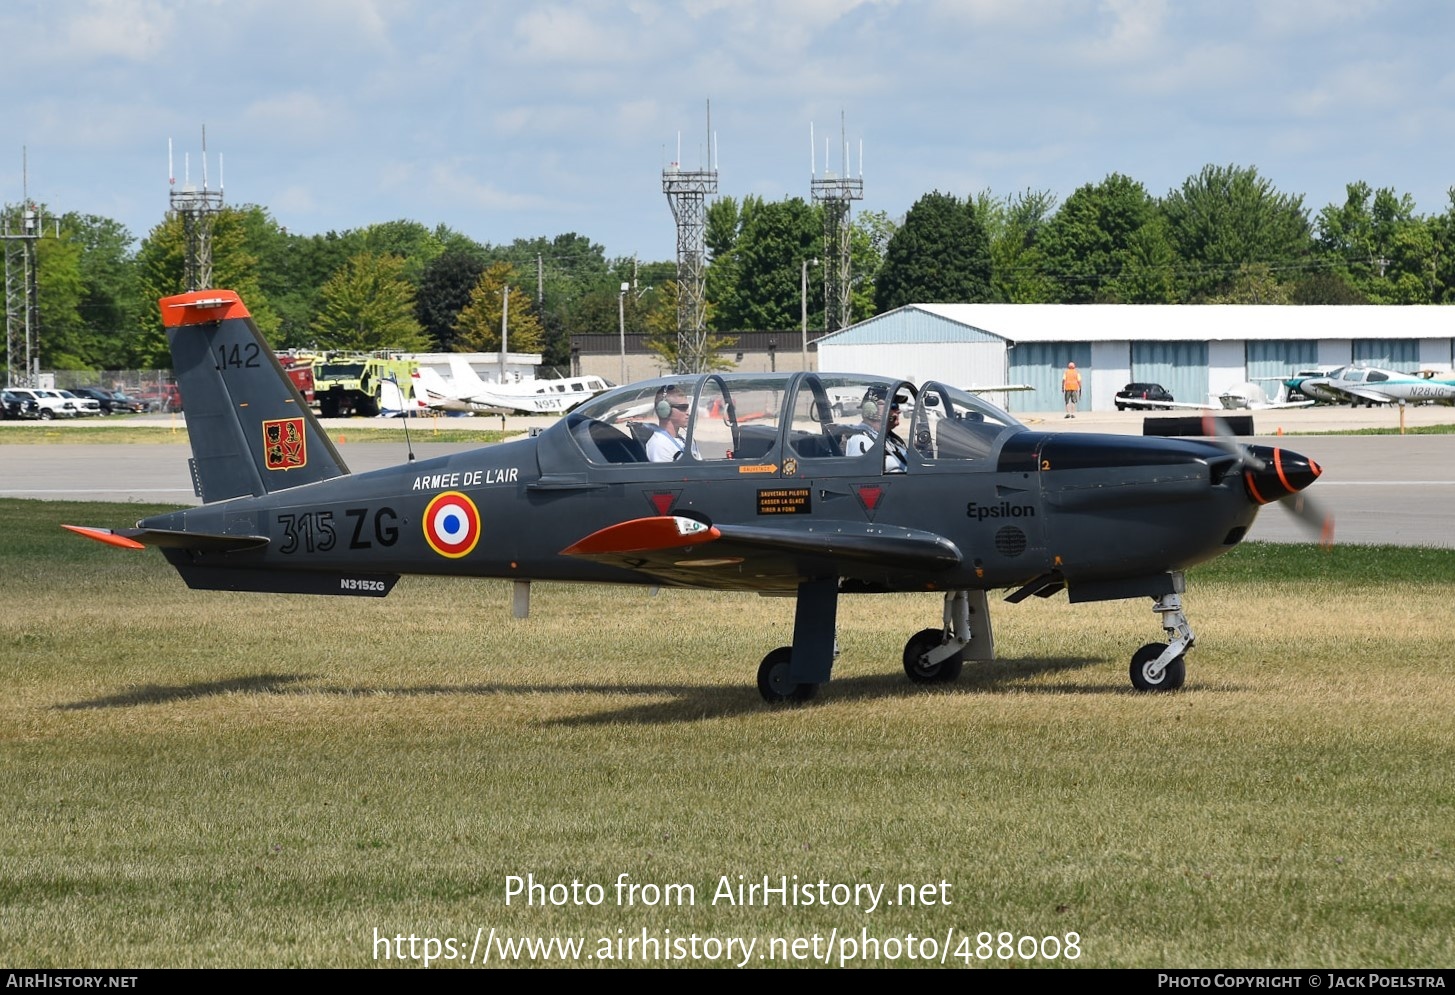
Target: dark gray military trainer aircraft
[744,482]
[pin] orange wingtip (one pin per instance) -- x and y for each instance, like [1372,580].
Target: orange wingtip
[105,535]
[644,535]
[198,307]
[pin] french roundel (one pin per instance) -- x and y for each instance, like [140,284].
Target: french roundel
[451,524]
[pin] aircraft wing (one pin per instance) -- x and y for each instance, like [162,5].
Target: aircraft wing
[1138,402]
[1289,404]
[1364,393]
[689,553]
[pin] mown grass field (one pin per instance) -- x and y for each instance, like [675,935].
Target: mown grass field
[203,779]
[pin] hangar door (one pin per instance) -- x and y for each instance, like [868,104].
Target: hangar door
[1181,367]
[1280,359]
[1392,354]
[1041,364]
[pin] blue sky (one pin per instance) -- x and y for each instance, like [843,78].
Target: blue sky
[506,120]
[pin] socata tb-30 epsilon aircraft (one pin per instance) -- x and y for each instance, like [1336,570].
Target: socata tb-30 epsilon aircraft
[769,493]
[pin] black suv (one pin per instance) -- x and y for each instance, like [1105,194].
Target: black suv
[1141,392]
[110,401]
[13,406]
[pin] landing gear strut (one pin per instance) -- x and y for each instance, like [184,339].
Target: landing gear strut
[793,673]
[938,655]
[1161,666]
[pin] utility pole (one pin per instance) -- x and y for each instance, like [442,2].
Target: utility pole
[21,230]
[504,311]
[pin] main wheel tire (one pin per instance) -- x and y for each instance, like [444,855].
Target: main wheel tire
[1172,675]
[920,672]
[773,681]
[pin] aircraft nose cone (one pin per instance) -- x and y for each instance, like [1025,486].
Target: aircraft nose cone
[1283,472]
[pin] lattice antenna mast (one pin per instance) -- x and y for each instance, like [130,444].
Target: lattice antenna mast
[197,208]
[20,230]
[687,192]
[836,193]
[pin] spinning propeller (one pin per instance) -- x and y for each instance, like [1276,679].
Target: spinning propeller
[1274,474]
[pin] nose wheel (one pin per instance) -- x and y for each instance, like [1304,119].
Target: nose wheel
[1148,677]
[1163,666]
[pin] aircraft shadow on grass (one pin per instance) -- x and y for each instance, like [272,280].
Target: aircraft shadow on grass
[688,703]
[161,694]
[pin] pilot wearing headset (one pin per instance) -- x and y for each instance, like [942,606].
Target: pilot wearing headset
[671,408]
[862,439]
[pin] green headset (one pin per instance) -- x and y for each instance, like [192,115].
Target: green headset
[664,406]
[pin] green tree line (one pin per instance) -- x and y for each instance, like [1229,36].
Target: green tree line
[1225,235]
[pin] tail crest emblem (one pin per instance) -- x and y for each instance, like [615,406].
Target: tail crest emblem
[285,447]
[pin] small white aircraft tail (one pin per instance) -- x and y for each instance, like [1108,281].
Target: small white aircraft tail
[398,400]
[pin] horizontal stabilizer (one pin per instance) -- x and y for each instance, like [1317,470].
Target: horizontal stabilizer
[200,542]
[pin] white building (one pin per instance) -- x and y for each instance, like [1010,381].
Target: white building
[1193,350]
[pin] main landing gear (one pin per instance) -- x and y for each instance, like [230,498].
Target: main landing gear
[937,656]
[1162,666]
[775,680]
[932,656]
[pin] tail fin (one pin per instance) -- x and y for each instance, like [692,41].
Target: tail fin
[428,382]
[465,377]
[251,430]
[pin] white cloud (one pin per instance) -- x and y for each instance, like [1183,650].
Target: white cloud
[135,30]
[297,118]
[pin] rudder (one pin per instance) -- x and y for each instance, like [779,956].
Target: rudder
[252,433]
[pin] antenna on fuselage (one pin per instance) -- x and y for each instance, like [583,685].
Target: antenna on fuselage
[403,413]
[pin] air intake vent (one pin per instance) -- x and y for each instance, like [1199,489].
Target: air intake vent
[1010,541]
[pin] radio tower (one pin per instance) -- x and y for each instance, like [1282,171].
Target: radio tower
[20,230]
[835,193]
[197,209]
[687,192]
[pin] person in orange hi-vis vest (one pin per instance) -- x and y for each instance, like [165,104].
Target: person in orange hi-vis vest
[1071,388]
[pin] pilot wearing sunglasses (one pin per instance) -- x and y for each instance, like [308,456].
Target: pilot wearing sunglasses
[671,408]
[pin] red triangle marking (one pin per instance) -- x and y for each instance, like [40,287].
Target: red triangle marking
[869,496]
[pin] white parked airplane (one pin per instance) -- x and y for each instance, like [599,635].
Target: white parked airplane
[1372,385]
[1239,397]
[465,391]
[1251,397]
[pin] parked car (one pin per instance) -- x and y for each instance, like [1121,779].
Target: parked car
[162,397]
[126,402]
[49,403]
[1141,392]
[85,406]
[13,407]
[112,402]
